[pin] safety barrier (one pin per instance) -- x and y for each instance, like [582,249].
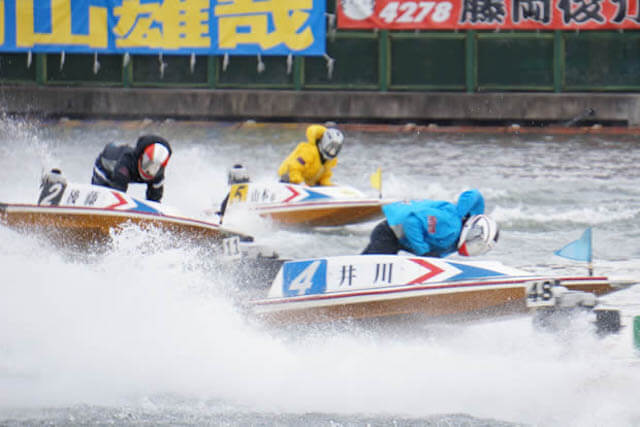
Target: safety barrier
[465,61]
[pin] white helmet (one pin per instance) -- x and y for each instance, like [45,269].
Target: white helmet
[331,143]
[154,157]
[238,174]
[479,235]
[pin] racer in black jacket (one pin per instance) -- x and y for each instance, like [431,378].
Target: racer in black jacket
[119,165]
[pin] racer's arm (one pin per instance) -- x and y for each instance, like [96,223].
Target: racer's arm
[296,167]
[297,163]
[325,179]
[414,235]
[154,192]
[155,188]
[121,176]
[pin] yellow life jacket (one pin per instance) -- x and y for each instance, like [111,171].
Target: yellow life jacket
[304,164]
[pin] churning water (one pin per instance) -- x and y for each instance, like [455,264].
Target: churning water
[148,332]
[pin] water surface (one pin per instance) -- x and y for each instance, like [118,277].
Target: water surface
[148,333]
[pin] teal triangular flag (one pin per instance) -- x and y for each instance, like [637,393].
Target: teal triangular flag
[579,250]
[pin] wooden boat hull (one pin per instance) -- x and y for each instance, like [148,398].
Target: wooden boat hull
[324,215]
[86,226]
[299,205]
[86,215]
[436,288]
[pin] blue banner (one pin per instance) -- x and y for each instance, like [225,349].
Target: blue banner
[203,27]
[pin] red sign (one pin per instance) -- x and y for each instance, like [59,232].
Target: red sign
[489,14]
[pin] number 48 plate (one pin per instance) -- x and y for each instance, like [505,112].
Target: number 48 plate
[541,293]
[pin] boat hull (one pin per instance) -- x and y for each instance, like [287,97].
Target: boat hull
[470,302]
[299,205]
[88,226]
[86,215]
[328,215]
[322,290]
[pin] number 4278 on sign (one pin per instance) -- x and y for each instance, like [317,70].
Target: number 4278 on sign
[409,12]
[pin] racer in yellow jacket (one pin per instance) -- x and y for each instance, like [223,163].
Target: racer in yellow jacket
[312,160]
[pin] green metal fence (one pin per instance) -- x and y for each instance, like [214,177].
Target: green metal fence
[465,61]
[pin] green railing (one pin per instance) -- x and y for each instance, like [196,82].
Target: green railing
[465,61]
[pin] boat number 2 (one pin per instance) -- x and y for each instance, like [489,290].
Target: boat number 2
[541,292]
[51,193]
[410,11]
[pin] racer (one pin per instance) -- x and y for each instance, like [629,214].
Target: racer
[311,161]
[238,174]
[435,228]
[119,165]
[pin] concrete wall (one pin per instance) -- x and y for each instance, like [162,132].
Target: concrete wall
[338,106]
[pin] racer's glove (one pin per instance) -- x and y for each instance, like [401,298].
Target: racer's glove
[285,178]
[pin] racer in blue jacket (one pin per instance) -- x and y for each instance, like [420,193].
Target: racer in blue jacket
[435,228]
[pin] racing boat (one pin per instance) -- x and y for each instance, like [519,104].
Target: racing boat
[85,215]
[397,286]
[300,205]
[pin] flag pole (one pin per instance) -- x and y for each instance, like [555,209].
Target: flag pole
[590,263]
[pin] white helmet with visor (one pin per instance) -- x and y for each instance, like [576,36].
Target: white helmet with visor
[331,143]
[479,235]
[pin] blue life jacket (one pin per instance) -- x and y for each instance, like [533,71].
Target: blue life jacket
[432,227]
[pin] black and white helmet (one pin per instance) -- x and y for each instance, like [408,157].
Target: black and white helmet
[238,174]
[331,143]
[479,235]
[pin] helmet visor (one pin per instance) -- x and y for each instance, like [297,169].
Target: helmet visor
[476,242]
[478,236]
[331,149]
[152,160]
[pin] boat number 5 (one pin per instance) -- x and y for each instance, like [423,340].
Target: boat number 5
[541,292]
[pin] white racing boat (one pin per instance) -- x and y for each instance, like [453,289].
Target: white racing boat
[396,286]
[80,214]
[301,205]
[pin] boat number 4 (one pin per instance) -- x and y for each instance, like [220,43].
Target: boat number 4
[304,277]
[541,293]
[304,281]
